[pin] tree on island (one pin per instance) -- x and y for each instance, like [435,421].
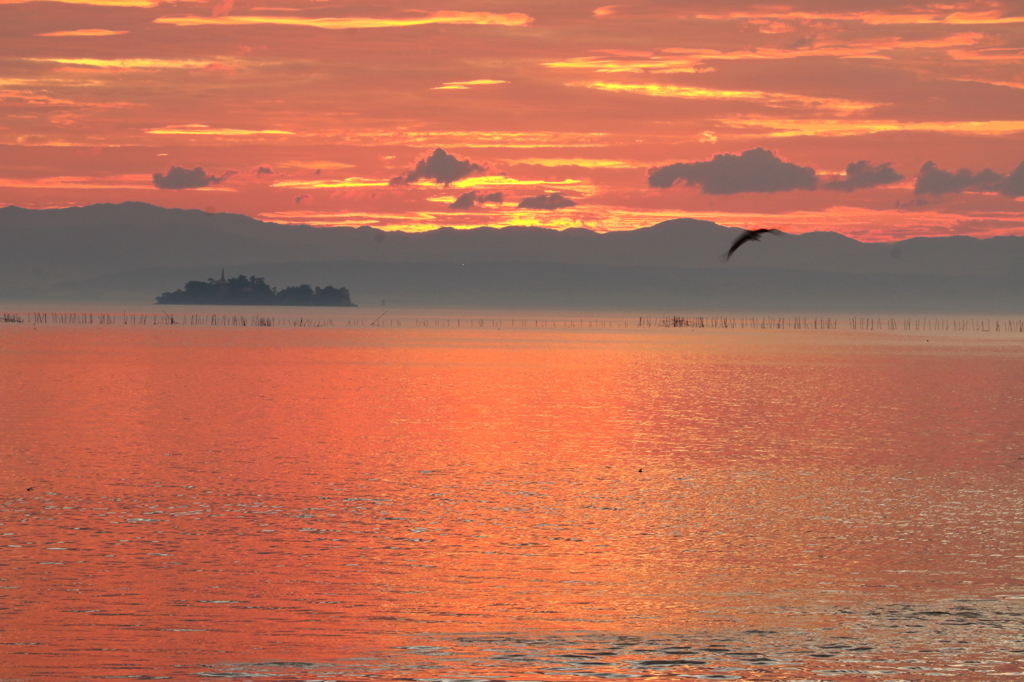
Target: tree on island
[254,290]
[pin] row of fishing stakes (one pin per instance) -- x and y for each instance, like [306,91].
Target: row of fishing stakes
[166,319]
[892,324]
[920,324]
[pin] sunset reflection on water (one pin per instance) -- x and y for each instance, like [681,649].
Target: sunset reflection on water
[509,504]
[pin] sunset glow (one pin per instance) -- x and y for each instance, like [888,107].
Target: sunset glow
[528,99]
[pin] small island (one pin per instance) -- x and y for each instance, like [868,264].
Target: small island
[244,290]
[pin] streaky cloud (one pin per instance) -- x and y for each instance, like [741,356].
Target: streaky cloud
[690,60]
[841,127]
[582,163]
[466,85]
[129,64]
[85,32]
[877,18]
[331,184]
[199,129]
[99,3]
[339,23]
[989,54]
[771,99]
[133,182]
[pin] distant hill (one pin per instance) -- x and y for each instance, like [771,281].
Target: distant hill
[135,251]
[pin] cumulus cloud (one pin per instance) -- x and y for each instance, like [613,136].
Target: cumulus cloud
[935,181]
[469,199]
[755,170]
[548,202]
[466,200]
[441,167]
[862,175]
[183,178]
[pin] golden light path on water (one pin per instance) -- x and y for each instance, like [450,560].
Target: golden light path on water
[554,504]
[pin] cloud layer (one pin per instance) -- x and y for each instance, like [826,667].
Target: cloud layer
[529,100]
[755,170]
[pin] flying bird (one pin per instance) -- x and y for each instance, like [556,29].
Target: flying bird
[748,235]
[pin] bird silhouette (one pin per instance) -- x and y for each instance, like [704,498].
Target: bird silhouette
[748,235]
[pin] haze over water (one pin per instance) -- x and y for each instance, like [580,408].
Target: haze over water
[510,504]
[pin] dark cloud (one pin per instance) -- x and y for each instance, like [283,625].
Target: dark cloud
[183,178]
[548,202]
[263,170]
[441,167]
[935,181]
[302,197]
[862,175]
[755,170]
[466,200]
[1014,184]
[469,199]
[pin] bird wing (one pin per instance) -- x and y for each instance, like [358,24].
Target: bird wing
[740,241]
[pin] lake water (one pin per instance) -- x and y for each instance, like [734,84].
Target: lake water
[437,503]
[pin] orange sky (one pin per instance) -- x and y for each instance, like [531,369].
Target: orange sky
[553,113]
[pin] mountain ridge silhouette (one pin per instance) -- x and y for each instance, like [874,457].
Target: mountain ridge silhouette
[125,251]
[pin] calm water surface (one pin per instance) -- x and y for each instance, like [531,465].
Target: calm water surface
[484,504]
